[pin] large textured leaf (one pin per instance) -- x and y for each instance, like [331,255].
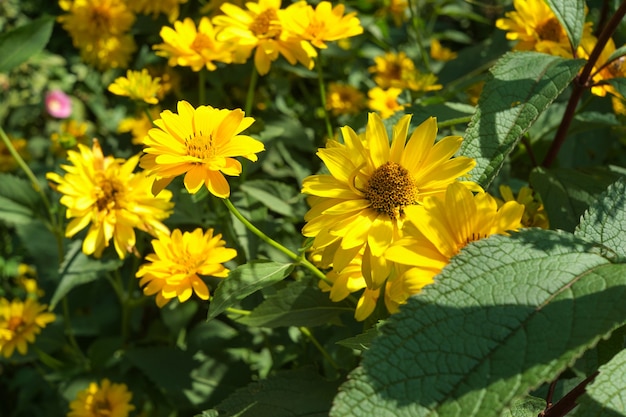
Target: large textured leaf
[605,221]
[606,395]
[19,202]
[21,43]
[567,193]
[288,394]
[523,85]
[571,15]
[300,303]
[245,280]
[507,314]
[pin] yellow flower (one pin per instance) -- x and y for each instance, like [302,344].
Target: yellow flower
[619,105]
[359,206]
[20,322]
[139,126]
[99,28]
[440,227]
[323,24]
[170,80]
[604,69]
[179,260]
[212,7]
[104,193]
[536,28]
[71,133]
[7,162]
[392,70]
[260,28]
[188,46]
[385,101]
[138,85]
[397,9]
[344,99]
[200,143]
[169,7]
[534,213]
[104,399]
[439,52]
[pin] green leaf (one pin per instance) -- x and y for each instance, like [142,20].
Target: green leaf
[619,84]
[78,269]
[19,202]
[566,193]
[571,15]
[506,315]
[361,341]
[606,395]
[300,303]
[605,221]
[526,407]
[21,43]
[245,280]
[619,52]
[288,394]
[522,86]
[276,196]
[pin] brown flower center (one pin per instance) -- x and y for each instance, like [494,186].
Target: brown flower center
[15,323]
[202,42]
[617,68]
[101,408]
[201,146]
[108,193]
[101,18]
[550,30]
[391,188]
[266,24]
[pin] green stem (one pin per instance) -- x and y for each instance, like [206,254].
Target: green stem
[418,36]
[68,328]
[238,311]
[146,111]
[453,122]
[202,86]
[254,77]
[320,79]
[307,332]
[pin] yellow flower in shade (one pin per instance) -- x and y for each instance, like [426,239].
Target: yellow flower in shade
[7,161]
[260,28]
[200,143]
[20,322]
[439,228]
[534,213]
[104,399]
[323,24]
[179,260]
[137,85]
[139,126]
[171,8]
[359,206]
[392,70]
[99,28]
[619,105]
[71,133]
[604,69]
[385,101]
[212,7]
[188,46]
[440,52]
[536,28]
[397,9]
[104,193]
[344,99]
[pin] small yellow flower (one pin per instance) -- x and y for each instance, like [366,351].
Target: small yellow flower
[20,322]
[604,69]
[439,52]
[7,162]
[188,46]
[323,24]
[534,213]
[397,9]
[71,133]
[137,85]
[260,28]
[104,399]
[201,143]
[179,260]
[385,101]
[392,70]
[171,8]
[104,193]
[139,126]
[344,99]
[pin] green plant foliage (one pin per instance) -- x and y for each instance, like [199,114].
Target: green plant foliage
[508,314]
[571,14]
[31,38]
[19,203]
[605,396]
[523,84]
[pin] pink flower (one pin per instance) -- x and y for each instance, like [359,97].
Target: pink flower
[58,104]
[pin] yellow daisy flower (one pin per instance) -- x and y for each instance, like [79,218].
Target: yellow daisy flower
[188,46]
[385,101]
[138,85]
[441,53]
[7,162]
[71,133]
[359,205]
[603,69]
[200,143]
[104,193]
[344,99]
[171,8]
[536,28]
[139,126]
[534,213]
[260,28]
[323,24]
[179,260]
[392,70]
[109,52]
[440,227]
[397,9]
[104,399]
[20,322]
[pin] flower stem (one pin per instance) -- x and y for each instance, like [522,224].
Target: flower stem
[320,79]
[307,332]
[254,77]
[238,311]
[418,35]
